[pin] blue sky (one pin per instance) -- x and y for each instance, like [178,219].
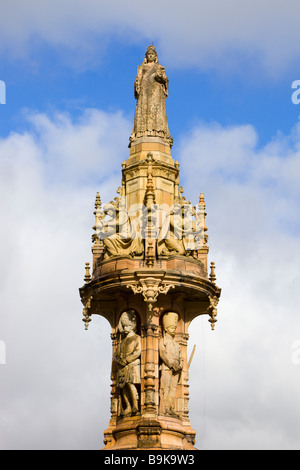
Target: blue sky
[208,97]
[69,68]
[46,82]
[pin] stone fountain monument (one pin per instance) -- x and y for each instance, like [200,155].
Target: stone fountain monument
[150,278]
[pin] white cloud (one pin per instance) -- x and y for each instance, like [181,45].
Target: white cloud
[54,381]
[213,34]
[244,386]
[248,381]
[84,150]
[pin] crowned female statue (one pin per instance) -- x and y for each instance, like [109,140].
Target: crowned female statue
[151,90]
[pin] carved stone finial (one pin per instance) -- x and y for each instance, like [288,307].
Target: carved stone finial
[201,216]
[87,276]
[201,200]
[98,213]
[150,193]
[213,302]
[87,305]
[98,203]
[212,276]
[97,248]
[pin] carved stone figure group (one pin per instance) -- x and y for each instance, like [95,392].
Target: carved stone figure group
[127,358]
[177,232]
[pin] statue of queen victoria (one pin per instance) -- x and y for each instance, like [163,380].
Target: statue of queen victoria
[150,90]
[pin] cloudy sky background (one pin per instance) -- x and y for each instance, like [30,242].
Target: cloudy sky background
[69,69]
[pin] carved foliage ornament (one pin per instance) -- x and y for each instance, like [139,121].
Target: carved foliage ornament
[150,288]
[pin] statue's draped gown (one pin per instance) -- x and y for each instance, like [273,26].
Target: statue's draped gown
[151,89]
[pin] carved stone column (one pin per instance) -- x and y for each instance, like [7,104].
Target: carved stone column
[150,404]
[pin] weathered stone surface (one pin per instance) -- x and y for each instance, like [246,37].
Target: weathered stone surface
[151,90]
[127,358]
[171,364]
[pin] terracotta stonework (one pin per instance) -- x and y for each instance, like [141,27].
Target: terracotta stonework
[149,278]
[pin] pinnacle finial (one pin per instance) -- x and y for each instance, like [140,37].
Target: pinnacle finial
[213,302]
[86,313]
[98,202]
[87,276]
[212,276]
[202,201]
[150,188]
[202,215]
